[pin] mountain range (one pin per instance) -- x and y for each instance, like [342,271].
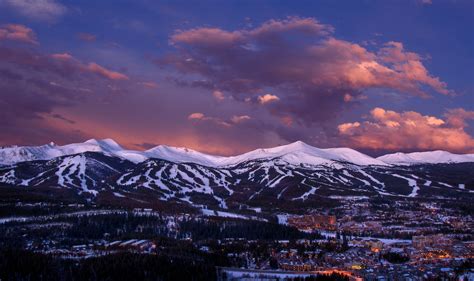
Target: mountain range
[284,177]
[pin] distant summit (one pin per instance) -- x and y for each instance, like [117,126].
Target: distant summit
[294,153]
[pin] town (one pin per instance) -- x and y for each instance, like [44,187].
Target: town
[360,240]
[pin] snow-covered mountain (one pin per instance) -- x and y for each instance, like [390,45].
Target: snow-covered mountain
[86,172]
[260,182]
[16,154]
[301,153]
[182,155]
[295,174]
[428,157]
[294,153]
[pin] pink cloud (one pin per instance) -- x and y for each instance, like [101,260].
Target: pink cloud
[102,71]
[309,26]
[218,95]
[149,85]
[410,130]
[201,117]
[17,32]
[217,38]
[301,60]
[267,98]
[409,64]
[93,67]
[196,116]
[34,85]
[239,118]
[63,56]
[457,117]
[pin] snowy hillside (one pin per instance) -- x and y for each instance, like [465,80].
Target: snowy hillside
[16,154]
[260,182]
[84,172]
[182,155]
[428,157]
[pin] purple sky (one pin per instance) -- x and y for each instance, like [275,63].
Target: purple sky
[225,77]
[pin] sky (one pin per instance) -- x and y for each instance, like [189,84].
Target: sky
[226,77]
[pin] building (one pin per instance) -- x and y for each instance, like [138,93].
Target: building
[374,245]
[432,241]
[313,222]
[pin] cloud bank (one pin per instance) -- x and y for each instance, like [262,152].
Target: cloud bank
[313,73]
[40,10]
[17,32]
[410,130]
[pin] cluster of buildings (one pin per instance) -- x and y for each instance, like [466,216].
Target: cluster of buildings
[360,218]
[422,241]
[95,249]
[373,259]
[313,221]
[401,219]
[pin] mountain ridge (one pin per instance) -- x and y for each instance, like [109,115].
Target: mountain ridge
[260,182]
[426,157]
[294,153]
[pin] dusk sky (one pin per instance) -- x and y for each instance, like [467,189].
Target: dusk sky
[225,77]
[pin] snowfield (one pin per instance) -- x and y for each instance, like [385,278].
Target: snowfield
[428,157]
[294,153]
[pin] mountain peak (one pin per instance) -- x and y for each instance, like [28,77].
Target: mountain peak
[107,144]
[298,145]
[291,147]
